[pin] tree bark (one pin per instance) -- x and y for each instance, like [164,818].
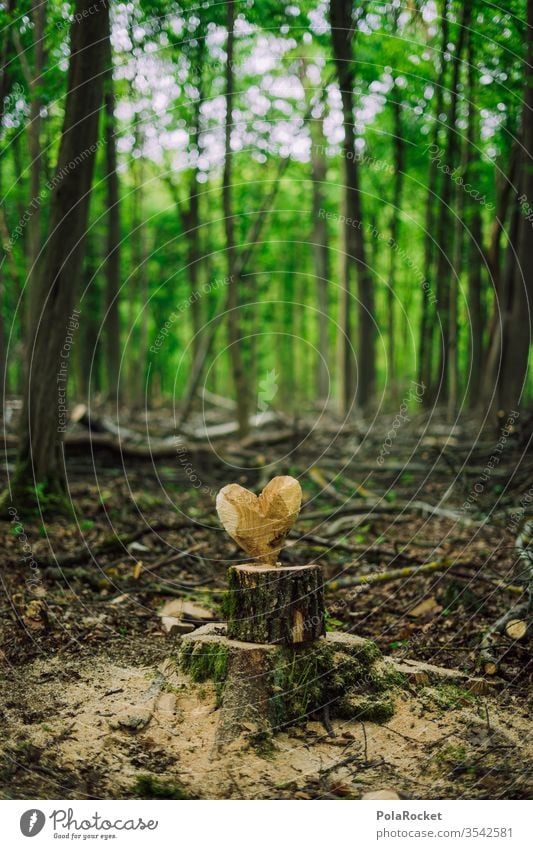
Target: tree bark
[276,605]
[319,167]
[88,351]
[475,254]
[242,389]
[112,319]
[44,410]
[34,81]
[194,252]
[342,27]
[517,320]
[425,359]
[399,163]
[445,229]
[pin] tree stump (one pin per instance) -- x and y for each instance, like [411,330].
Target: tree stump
[283,605]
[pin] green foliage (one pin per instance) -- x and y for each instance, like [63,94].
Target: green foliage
[149,787]
[447,697]
[169,82]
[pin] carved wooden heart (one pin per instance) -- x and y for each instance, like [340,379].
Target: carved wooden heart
[260,523]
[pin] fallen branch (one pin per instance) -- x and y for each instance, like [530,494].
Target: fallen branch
[392,575]
[370,508]
[317,477]
[406,572]
[490,663]
[231,428]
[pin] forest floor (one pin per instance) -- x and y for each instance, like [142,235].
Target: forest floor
[91,702]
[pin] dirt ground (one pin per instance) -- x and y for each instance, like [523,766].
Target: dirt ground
[91,702]
[88,726]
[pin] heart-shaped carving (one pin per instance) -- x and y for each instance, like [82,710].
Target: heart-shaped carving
[260,523]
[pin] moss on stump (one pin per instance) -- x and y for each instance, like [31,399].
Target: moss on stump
[271,686]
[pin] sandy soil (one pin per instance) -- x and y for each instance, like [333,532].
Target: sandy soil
[106,728]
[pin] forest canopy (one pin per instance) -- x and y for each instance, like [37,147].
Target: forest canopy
[318,202]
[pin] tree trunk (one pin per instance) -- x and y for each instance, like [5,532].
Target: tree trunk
[53,332]
[475,253]
[38,14]
[139,296]
[475,307]
[342,27]
[427,320]
[319,167]
[88,353]
[283,604]
[112,319]
[445,229]
[517,320]
[455,276]
[502,308]
[194,253]
[242,389]
[399,157]
[346,371]
[6,50]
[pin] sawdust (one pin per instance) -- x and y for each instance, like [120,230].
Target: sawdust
[119,730]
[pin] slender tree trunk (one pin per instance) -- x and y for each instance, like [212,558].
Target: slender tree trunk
[88,352]
[319,168]
[475,307]
[346,373]
[504,187]
[6,51]
[112,320]
[505,220]
[194,252]
[502,309]
[517,323]
[319,235]
[455,276]
[445,228]
[138,391]
[286,348]
[54,292]
[475,252]
[38,13]
[427,321]
[399,163]
[241,384]
[342,36]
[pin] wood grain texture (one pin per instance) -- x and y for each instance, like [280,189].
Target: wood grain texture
[260,524]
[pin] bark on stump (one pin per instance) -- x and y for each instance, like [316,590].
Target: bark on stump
[282,605]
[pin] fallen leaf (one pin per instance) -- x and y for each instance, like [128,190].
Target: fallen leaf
[426,607]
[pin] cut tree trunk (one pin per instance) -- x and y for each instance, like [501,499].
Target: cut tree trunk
[276,605]
[263,688]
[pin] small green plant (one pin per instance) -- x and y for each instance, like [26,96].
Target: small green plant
[148,787]
[332,624]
